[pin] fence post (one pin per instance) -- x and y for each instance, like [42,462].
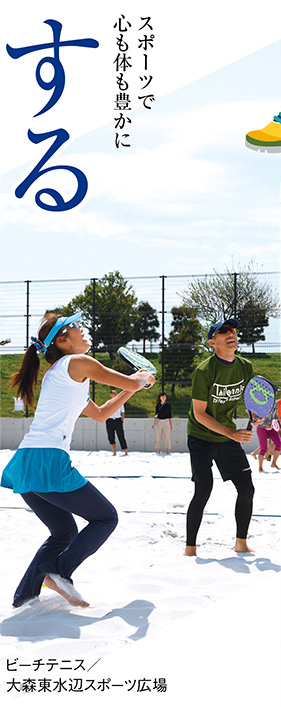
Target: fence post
[163,333]
[235,294]
[234,313]
[93,329]
[27,326]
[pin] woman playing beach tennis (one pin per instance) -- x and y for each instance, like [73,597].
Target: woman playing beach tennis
[41,469]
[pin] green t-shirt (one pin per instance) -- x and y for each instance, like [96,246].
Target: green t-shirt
[221,385]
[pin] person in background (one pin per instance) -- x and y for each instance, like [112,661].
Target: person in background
[163,422]
[269,429]
[114,424]
[269,437]
[269,451]
[265,433]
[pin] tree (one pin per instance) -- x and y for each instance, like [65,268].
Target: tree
[4,342]
[253,320]
[182,346]
[115,311]
[219,296]
[146,323]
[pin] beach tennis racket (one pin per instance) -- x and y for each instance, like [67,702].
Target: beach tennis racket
[136,361]
[259,398]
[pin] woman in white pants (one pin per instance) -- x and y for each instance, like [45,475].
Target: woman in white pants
[163,422]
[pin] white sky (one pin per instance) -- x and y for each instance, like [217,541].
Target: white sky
[187,196]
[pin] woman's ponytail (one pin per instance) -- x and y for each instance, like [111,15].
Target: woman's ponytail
[26,377]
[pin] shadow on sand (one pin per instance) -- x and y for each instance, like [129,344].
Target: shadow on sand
[243,563]
[51,618]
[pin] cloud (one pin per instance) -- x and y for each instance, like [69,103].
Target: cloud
[188,191]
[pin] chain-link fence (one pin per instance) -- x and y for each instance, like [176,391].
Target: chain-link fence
[23,303]
[251,297]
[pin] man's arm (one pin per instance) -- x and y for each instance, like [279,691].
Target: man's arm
[203,417]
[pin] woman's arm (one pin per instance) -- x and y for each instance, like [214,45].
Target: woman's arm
[155,417]
[102,412]
[170,418]
[82,367]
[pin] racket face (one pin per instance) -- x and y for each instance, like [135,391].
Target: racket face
[135,360]
[259,396]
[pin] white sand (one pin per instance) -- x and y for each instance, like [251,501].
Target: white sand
[208,625]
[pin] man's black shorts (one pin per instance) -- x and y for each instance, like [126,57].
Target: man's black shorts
[229,456]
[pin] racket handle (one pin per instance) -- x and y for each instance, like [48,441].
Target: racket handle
[147,384]
[249,426]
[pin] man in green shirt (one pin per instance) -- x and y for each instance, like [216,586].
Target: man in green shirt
[218,383]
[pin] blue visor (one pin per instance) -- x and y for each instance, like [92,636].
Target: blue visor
[60,323]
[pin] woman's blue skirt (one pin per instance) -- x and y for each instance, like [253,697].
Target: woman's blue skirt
[42,470]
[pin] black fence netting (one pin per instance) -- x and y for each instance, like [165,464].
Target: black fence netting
[164,317]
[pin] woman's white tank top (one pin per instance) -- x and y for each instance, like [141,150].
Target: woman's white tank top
[60,403]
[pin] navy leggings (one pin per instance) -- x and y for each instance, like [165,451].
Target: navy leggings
[65,549]
[243,507]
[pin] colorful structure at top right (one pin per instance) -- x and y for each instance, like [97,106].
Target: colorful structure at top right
[267,139]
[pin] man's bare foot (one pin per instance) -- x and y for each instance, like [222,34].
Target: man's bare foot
[190,551]
[241,546]
[65,589]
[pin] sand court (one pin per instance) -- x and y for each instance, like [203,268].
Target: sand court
[151,609]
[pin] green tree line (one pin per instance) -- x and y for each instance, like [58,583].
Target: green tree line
[110,302]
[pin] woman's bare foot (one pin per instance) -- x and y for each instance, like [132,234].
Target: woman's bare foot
[65,589]
[252,454]
[190,551]
[241,546]
[274,466]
